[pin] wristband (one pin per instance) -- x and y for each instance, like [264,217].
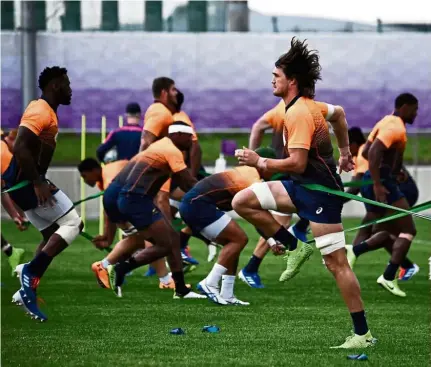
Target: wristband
[271,242]
[261,163]
[344,151]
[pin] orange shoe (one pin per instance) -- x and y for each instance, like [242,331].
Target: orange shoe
[170,285]
[101,274]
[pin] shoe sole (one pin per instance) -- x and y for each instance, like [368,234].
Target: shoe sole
[208,294]
[99,281]
[284,278]
[18,301]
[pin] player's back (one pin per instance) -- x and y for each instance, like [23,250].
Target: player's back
[391,131]
[109,172]
[361,164]
[220,188]
[305,122]
[149,170]
[157,119]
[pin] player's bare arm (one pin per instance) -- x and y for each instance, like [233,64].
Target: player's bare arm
[375,155]
[24,140]
[195,158]
[147,139]
[366,150]
[257,131]
[185,180]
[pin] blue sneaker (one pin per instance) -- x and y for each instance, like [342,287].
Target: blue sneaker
[187,258]
[302,236]
[407,274]
[20,298]
[150,272]
[251,279]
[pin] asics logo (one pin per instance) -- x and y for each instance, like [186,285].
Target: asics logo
[319,210]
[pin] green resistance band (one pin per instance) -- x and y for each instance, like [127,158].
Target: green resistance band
[358,183]
[91,197]
[315,187]
[18,186]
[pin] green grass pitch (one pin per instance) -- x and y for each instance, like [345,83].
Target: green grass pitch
[289,324]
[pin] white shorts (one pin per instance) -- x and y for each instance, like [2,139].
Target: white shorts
[44,216]
[212,231]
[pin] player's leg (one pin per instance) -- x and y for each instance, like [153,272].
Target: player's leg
[253,205]
[299,229]
[14,254]
[249,274]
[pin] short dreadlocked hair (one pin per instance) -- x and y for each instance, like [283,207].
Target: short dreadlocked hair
[301,64]
[49,74]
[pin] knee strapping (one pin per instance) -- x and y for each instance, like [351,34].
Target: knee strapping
[330,243]
[264,195]
[69,226]
[407,236]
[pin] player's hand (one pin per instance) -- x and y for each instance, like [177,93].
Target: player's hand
[44,194]
[100,241]
[346,163]
[247,157]
[278,249]
[380,193]
[20,222]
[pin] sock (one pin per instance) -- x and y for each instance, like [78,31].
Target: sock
[359,322]
[253,264]
[166,279]
[406,264]
[39,264]
[360,248]
[261,233]
[124,267]
[184,240]
[302,225]
[7,249]
[286,238]
[215,275]
[105,263]
[180,285]
[390,271]
[228,281]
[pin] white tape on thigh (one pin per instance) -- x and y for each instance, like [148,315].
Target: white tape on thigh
[264,195]
[407,236]
[174,203]
[331,242]
[69,226]
[273,212]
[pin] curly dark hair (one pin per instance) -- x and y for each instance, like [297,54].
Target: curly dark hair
[50,73]
[301,64]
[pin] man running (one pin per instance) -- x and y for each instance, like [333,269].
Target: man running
[46,207]
[310,160]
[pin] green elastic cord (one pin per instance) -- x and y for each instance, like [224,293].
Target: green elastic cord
[91,238]
[18,186]
[315,187]
[95,196]
[357,183]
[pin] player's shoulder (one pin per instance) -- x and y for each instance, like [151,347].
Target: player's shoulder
[158,107]
[183,117]
[392,122]
[38,111]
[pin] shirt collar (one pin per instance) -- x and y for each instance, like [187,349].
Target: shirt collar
[292,102]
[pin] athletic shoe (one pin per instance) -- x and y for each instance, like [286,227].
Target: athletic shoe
[391,286]
[358,341]
[28,302]
[150,272]
[190,295]
[300,235]
[116,280]
[407,274]
[15,258]
[351,257]
[187,259]
[251,279]
[236,302]
[294,260]
[170,285]
[101,273]
[187,268]
[213,293]
[212,252]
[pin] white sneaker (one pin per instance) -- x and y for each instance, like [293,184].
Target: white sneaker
[235,301]
[391,286]
[18,270]
[190,295]
[212,252]
[213,293]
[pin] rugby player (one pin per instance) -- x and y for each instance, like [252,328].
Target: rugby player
[310,160]
[45,206]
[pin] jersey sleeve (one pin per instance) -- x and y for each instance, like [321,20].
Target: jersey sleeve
[326,109]
[390,136]
[158,121]
[166,187]
[274,117]
[300,130]
[36,120]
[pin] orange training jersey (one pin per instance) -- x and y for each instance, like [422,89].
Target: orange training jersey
[109,172]
[361,164]
[220,188]
[148,170]
[305,128]
[42,120]
[6,156]
[157,120]
[183,117]
[391,131]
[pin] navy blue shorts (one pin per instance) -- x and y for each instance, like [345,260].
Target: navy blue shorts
[138,209]
[391,185]
[110,198]
[316,206]
[202,216]
[410,191]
